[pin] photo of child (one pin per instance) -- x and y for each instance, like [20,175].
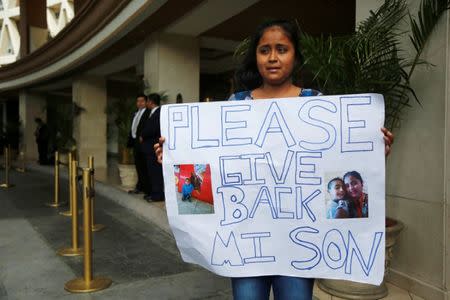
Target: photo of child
[339,204]
[194,189]
[187,190]
[346,196]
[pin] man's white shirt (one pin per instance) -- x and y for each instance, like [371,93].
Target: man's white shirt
[136,119]
[153,110]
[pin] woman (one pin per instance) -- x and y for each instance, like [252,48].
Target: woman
[267,71]
[355,185]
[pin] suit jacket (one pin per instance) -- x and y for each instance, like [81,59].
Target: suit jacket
[42,134]
[151,132]
[135,142]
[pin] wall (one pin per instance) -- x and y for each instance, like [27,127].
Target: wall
[112,133]
[416,171]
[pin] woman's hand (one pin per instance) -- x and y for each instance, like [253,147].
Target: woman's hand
[159,149]
[388,140]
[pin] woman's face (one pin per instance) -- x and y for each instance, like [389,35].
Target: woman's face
[275,56]
[354,186]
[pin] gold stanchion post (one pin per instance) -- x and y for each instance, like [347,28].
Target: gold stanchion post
[7,153]
[87,283]
[75,250]
[95,227]
[56,202]
[68,213]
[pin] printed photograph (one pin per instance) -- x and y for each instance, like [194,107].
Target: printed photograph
[346,195]
[193,188]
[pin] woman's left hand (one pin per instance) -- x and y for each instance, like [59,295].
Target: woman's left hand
[388,140]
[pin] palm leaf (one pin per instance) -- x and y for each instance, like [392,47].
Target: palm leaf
[122,111]
[429,15]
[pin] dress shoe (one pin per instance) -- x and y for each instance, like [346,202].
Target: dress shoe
[135,191]
[157,200]
[148,198]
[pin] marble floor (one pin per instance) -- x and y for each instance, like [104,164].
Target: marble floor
[141,258]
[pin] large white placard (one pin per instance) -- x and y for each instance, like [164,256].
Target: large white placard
[258,188]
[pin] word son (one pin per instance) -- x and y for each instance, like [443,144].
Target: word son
[336,252]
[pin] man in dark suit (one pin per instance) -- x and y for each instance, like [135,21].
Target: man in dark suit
[42,137]
[143,184]
[150,136]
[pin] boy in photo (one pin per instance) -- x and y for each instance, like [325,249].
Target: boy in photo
[340,205]
[187,190]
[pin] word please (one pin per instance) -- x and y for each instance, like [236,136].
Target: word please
[235,130]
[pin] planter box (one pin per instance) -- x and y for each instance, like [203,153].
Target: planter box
[128,175]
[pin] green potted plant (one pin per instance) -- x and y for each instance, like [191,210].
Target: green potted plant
[60,116]
[11,135]
[371,61]
[145,86]
[122,111]
[13,132]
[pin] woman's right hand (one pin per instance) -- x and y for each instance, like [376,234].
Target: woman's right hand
[158,147]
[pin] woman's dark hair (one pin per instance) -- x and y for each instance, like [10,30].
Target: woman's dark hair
[354,174]
[247,76]
[155,97]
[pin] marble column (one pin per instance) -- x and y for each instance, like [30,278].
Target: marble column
[31,106]
[172,65]
[89,127]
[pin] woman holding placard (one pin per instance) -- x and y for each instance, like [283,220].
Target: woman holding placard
[267,71]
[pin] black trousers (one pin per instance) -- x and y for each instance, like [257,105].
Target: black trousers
[43,152]
[154,170]
[143,183]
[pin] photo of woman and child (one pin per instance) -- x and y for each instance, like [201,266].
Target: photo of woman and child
[348,197]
